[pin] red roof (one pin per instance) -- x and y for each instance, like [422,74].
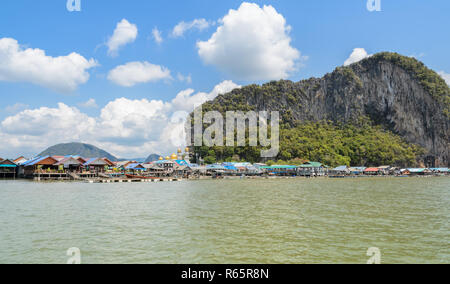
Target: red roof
[372,170]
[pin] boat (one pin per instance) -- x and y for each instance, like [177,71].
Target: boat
[139,177]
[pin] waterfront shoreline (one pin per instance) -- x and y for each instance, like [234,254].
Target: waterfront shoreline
[170,180]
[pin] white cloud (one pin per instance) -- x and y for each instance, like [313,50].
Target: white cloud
[91,103]
[134,73]
[445,76]
[182,78]
[126,128]
[51,124]
[252,43]
[357,55]
[157,35]
[16,107]
[186,100]
[61,74]
[124,33]
[181,28]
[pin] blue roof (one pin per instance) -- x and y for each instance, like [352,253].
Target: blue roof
[182,162]
[163,162]
[215,167]
[340,168]
[231,168]
[134,166]
[359,168]
[442,170]
[34,161]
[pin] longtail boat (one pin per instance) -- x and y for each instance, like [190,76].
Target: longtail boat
[139,177]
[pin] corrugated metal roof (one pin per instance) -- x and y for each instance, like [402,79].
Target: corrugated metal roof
[275,167]
[90,161]
[341,169]
[417,170]
[31,161]
[312,165]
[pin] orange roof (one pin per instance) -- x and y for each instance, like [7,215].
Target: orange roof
[18,159]
[372,170]
[108,162]
[47,162]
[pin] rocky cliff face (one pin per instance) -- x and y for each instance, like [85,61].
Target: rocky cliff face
[397,92]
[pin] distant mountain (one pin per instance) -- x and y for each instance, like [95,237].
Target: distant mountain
[139,160]
[80,149]
[152,158]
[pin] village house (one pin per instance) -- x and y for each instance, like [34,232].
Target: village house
[312,169]
[419,171]
[372,171]
[40,165]
[280,170]
[341,170]
[98,165]
[8,169]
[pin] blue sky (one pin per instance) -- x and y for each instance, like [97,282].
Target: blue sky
[318,36]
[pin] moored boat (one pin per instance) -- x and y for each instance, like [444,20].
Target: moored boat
[139,177]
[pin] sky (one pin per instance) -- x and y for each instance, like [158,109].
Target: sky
[121,75]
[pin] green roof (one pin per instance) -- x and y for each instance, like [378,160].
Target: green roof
[279,167]
[312,165]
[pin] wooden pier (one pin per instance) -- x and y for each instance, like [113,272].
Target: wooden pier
[125,180]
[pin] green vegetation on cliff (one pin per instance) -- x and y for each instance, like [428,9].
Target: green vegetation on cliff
[333,144]
[350,144]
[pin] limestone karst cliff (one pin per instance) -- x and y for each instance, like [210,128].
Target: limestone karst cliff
[399,93]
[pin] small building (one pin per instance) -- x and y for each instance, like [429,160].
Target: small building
[167,165]
[419,171]
[341,170]
[69,164]
[280,170]
[8,169]
[230,168]
[39,165]
[135,168]
[97,165]
[441,171]
[313,169]
[154,170]
[404,172]
[215,168]
[182,171]
[372,171]
[357,170]
[19,161]
[384,169]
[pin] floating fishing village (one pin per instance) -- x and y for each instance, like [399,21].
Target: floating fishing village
[178,167]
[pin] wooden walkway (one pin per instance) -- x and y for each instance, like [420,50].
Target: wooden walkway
[125,180]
